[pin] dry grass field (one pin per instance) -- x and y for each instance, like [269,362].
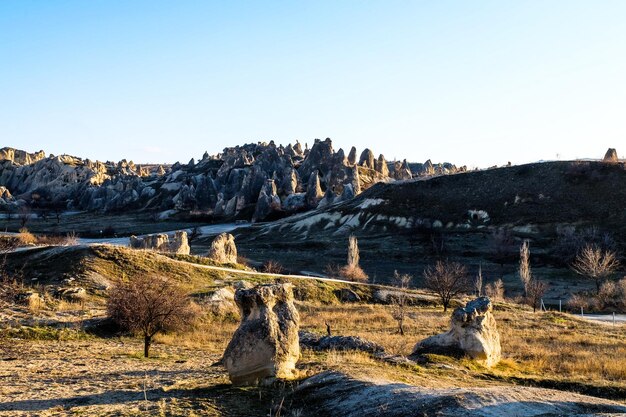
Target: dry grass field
[69,372]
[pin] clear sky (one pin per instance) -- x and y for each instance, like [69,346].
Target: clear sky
[470,82]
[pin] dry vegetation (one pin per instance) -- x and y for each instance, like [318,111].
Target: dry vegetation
[544,349]
[51,366]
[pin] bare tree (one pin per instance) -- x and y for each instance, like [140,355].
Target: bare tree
[149,305]
[23,214]
[595,263]
[502,246]
[495,290]
[478,281]
[447,280]
[525,273]
[534,292]
[399,302]
[273,267]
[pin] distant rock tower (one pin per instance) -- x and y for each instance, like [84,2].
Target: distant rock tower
[610,155]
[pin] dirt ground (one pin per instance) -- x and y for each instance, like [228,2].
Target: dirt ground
[108,377]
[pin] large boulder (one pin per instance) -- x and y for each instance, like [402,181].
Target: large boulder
[266,344]
[473,332]
[223,249]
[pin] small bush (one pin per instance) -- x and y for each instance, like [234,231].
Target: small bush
[495,290]
[578,301]
[25,237]
[273,267]
[353,273]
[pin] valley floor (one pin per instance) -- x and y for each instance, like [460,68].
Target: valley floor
[86,375]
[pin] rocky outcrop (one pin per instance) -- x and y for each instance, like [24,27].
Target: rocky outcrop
[233,183]
[610,156]
[223,249]
[265,345]
[338,343]
[161,242]
[331,393]
[473,332]
[401,171]
[314,190]
[268,201]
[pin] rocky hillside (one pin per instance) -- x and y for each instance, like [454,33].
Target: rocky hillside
[254,181]
[477,217]
[523,196]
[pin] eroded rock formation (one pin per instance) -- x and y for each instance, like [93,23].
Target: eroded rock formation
[611,155]
[232,183]
[473,332]
[223,249]
[161,242]
[266,344]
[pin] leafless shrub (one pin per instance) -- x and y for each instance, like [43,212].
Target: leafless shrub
[535,290]
[609,295]
[23,215]
[71,239]
[621,285]
[194,234]
[581,301]
[502,246]
[11,282]
[447,280]
[25,237]
[273,267]
[570,242]
[399,302]
[596,264]
[495,290]
[149,305]
[353,273]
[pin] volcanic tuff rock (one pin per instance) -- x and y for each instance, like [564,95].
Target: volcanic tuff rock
[265,345]
[227,184]
[473,332]
[339,395]
[161,242]
[610,155]
[223,249]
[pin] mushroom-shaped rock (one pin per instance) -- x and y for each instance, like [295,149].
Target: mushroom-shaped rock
[473,332]
[266,343]
[223,249]
[610,155]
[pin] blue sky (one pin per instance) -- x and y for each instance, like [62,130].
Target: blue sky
[471,82]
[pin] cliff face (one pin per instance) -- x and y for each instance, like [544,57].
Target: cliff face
[252,181]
